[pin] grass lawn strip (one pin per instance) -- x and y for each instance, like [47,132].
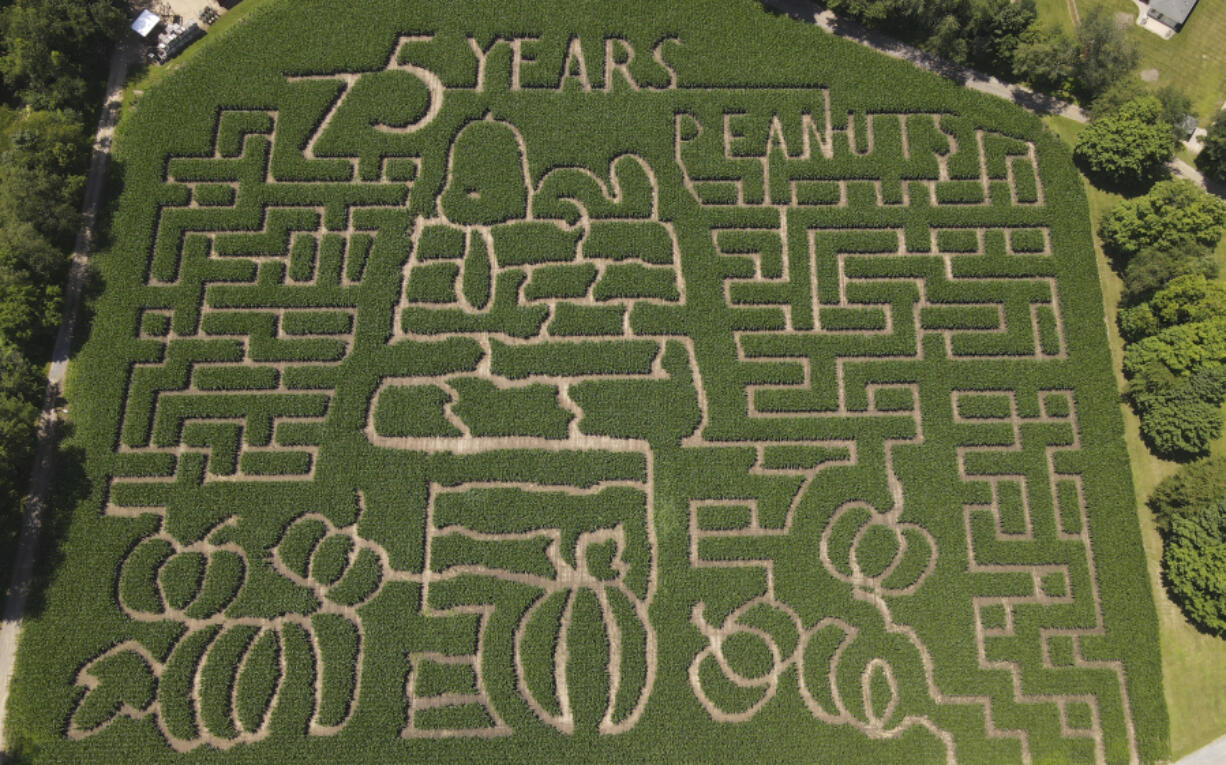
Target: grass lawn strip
[1194,693]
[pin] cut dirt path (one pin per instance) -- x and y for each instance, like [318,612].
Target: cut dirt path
[40,476]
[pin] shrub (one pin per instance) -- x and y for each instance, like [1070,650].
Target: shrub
[1179,424]
[1195,485]
[1194,564]
[1171,214]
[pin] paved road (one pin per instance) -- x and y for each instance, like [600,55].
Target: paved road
[1213,754]
[40,477]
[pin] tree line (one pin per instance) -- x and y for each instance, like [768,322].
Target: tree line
[1005,38]
[51,75]
[1172,319]
[1094,65]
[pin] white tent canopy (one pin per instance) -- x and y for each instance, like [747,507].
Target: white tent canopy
[145,23]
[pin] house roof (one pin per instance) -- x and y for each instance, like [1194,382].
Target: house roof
[145,23]
[1176,11]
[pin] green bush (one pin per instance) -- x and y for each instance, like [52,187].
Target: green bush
[1195,485]
[1194,566]
[1171,213]
[1129,147]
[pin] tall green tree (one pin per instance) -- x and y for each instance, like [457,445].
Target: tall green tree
[50,50]
[1129,147]
[1172,212]
[1153,267]
[1176,107]
[20,387]
[1178,423]
[1194,486]
[1045,58]
[48,46]
[1121,92]
[1212,158]
[1105,53]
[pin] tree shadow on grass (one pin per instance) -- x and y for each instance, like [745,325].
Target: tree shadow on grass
[1125,188]
[1040,103]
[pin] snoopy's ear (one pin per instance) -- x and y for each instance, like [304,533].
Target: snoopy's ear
[223,532]
[634,187]
[567,194]
[120,683]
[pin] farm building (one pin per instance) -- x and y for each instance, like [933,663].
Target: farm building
[1172,13]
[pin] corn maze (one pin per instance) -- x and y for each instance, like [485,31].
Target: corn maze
[604,385]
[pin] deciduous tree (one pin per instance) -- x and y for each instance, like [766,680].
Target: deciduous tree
[1150,269]
[1194,562]
[1212,158]
[1129,147]
[1105,53]
[1045,58]
[1172,212]
[1195,485]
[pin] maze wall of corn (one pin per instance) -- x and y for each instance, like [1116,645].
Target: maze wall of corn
[590,381]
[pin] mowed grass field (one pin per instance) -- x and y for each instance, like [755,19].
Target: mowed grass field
[1194,60]
[627,382]
[1193,663]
